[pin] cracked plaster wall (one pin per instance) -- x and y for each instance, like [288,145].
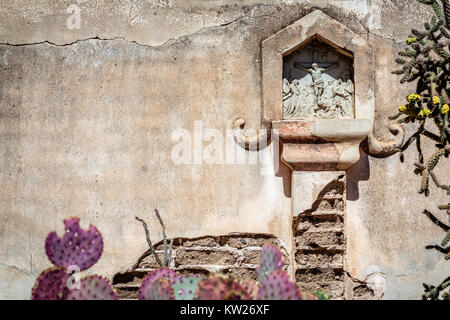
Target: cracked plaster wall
[86,117]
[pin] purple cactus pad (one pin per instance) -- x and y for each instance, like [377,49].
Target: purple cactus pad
[271,261]
[93,288]
[50,285]
[160,289]
[77,247]
[166,273]
[218,287]
[278,286]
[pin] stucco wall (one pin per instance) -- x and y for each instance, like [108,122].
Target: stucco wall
[86,118]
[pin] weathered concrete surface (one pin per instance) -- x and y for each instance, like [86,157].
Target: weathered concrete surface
[85,130]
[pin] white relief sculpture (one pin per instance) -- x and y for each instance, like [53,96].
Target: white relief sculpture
[317,84]
[317,80]
[319,99]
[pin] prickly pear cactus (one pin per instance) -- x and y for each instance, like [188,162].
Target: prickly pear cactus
[251,287]
[159,289]
[271,261]
[185,287]
[93,288]
[277,286]
[219,287]
[50,285]
[165,273]
[77,247]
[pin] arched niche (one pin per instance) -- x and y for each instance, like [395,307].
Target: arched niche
[318,81]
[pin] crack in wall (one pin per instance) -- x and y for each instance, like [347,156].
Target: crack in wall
[187,35]
[15,268]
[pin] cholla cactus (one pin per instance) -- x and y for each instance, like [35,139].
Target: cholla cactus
[427,61]
[167,250]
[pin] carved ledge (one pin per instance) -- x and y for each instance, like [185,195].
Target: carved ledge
[384,148]
[258,141]
[321,145]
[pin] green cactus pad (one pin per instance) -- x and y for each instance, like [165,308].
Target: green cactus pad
[185,287]
[271,261]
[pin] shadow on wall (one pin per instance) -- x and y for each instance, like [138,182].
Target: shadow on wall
[360,171]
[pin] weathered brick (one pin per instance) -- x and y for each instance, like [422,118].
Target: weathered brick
[319,275]
[202,242]
[244,242]
[133,277]
[193,257]
[196,271]
[327,280]
[362,292]
[127,293]
[252,256]
[242,273]
[315,260]
[150,261]
[320,238]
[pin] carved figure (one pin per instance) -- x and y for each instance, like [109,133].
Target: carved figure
[316,75]
[318,99]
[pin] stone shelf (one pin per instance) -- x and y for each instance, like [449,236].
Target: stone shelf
[322,144]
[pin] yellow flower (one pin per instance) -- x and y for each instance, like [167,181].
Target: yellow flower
[402,108]
[414,97]
[426,112]
[445,108]
[411,40]
[436,100]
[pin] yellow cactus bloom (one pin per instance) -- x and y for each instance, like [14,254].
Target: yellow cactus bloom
[411,40]
[426,112]
[414,97]
[402,108]
[445,108]
[436,100]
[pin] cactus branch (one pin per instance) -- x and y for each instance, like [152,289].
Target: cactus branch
[147,236]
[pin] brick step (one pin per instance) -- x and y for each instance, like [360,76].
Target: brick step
[322,267]
[320,238]
[329,213]
[333,196]
[318,258]
[337,248]
[305,224]
[299,233]
[127,293]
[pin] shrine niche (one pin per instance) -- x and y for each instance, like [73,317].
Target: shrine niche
[318,92]
[318,83]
